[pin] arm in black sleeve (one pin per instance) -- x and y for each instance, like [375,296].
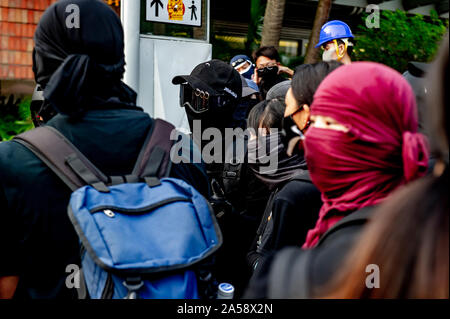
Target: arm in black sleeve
[10,247]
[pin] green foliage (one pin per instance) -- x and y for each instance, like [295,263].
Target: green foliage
[15,118]
[255,26]
[223,48]
[292,61]
[401,38]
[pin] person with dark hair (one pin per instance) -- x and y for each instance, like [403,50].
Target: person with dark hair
[414,251]
[294,202]
[269,70]
[299,97]
[361,146]
[80,71]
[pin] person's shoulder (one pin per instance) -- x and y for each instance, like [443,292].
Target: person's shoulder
[10,151]
[297,190]
[14,158]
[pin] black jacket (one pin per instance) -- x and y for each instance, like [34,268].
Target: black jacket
[293,210]
[295,273]
[37,240]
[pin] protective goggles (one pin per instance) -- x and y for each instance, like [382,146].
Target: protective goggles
[199,101]
[240,62]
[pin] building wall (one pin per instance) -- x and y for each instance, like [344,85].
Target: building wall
[18,22]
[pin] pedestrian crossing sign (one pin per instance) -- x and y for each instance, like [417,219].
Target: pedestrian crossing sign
[186,12]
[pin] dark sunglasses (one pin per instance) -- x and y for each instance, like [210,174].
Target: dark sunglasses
[199,101]
[263,70]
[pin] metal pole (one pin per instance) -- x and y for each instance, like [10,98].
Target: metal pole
[131,16]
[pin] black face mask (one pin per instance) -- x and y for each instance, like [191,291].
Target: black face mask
[268,73]
[263,150]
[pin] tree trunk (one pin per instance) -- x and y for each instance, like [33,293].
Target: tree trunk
[273,22]
[323,10]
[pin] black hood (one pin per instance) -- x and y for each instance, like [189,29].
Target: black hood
[79,57]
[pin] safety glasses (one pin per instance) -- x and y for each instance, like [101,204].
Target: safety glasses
[292,115]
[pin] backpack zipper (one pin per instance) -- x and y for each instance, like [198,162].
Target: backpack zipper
[111,210]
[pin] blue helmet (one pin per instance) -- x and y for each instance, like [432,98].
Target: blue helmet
[332,30]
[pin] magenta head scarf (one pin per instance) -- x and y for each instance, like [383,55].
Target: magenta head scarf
[381,151]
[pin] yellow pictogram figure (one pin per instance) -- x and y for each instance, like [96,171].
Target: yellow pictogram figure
[176,9]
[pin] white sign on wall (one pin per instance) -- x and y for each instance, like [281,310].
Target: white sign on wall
[187,12]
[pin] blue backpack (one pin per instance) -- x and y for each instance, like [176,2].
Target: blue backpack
[144,235]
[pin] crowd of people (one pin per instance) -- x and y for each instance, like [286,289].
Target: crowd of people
[355,184]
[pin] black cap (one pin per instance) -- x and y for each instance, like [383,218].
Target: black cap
[214,77]
[279,90]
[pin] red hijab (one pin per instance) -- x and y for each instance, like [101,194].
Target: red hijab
[381,151]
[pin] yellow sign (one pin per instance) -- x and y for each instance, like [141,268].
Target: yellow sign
[187,12]
[176,9]
[113,2]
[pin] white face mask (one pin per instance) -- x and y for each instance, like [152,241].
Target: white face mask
[327,56]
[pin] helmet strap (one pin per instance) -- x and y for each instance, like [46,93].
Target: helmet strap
[339,56]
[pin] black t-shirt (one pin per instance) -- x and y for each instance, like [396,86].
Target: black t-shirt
[37,240]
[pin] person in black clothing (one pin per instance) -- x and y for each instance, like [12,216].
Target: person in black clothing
[210,96]
[361,146]
[80,72]
[269,70]
[294,202]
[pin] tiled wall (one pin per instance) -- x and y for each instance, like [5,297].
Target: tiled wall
[18,20]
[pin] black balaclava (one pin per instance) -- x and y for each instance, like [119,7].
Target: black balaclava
[270,148]
[80,67]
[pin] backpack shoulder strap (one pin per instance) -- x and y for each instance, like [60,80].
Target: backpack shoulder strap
[359,217]
[63,158]
[154,158]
